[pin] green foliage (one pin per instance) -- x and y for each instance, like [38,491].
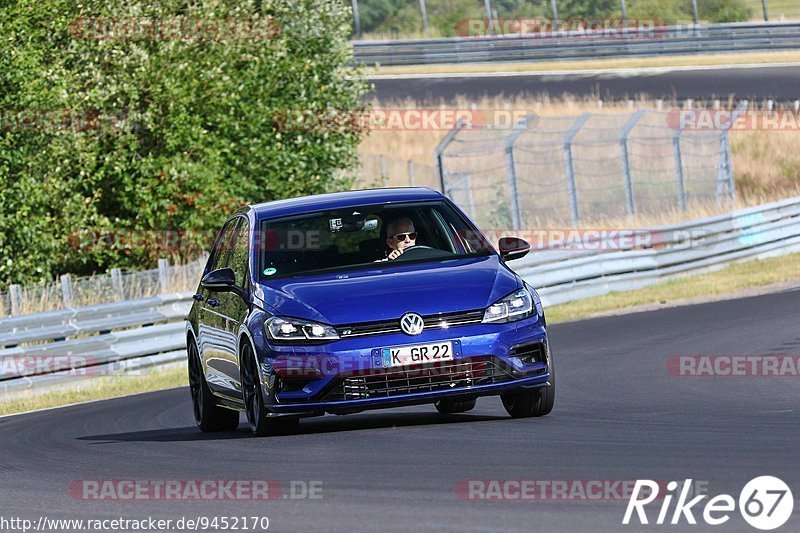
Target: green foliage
[180,131]
[403,16]
[724,10]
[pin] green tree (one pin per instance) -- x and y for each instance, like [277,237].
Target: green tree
[181,129]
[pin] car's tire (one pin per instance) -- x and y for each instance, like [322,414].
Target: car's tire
[450,406]
[261,425]
[207,414]
[533,402]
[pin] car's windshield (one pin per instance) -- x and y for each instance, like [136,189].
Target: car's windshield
[362,236]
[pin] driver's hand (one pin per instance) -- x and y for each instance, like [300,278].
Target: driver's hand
[395,254]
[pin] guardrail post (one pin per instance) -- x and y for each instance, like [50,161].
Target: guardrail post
[626,164]
[511,169]
[116,282]
[66,290]
[384,176]
[15,294]
[571,188]
[676,150]
[163,275]
[412,177]
[438,152]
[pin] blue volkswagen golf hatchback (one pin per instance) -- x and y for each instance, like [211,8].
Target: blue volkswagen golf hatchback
[344,302]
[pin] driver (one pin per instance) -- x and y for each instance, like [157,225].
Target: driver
[400,235]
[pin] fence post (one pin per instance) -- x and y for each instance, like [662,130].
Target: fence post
[412,177]
[163,275]
[725,184]
[766,15]
[676,150]
[438,152]
[424,13]
[384,176]
[624,14]
[116,282]
[66,290]
[571,188]
[356,19]
[626,164]
[15,294]
[511,169]
[554,12]
[694,12]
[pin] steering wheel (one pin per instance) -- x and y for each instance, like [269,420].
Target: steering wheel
[420,251]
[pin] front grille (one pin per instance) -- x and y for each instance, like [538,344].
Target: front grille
[420,378]
[438,321]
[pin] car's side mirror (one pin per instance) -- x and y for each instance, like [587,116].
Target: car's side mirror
[513,248]
[220,280]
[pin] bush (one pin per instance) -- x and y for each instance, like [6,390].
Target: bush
[171,133]
[723,10]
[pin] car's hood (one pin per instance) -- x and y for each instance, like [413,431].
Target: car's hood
[388,291]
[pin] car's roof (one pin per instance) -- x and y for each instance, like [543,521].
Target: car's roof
[321,202]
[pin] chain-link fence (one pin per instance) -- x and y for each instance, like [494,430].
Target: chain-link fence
[378,170]
[592,167]
[116,285]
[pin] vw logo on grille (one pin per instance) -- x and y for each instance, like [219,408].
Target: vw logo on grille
[411,324]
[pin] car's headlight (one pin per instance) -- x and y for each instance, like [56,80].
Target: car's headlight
[515,306]
[286,329]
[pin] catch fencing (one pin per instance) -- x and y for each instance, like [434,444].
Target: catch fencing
[564,170]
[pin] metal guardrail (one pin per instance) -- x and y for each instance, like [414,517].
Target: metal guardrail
[565,275]
[689,39]
[126,336]
[107,339]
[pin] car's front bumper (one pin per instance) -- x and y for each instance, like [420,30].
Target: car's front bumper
[342,376]
[400,400]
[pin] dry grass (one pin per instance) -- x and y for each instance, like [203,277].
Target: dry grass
[95,389]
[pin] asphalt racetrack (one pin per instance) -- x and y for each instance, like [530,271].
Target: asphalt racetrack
[619,415]
[781,83]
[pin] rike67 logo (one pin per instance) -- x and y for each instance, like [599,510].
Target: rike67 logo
[765,503]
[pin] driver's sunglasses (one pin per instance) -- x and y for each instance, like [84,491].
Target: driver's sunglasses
[402,236]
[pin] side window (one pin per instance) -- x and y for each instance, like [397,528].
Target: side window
[240,252]
[223,245]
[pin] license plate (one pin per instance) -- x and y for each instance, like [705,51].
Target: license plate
[416,354]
